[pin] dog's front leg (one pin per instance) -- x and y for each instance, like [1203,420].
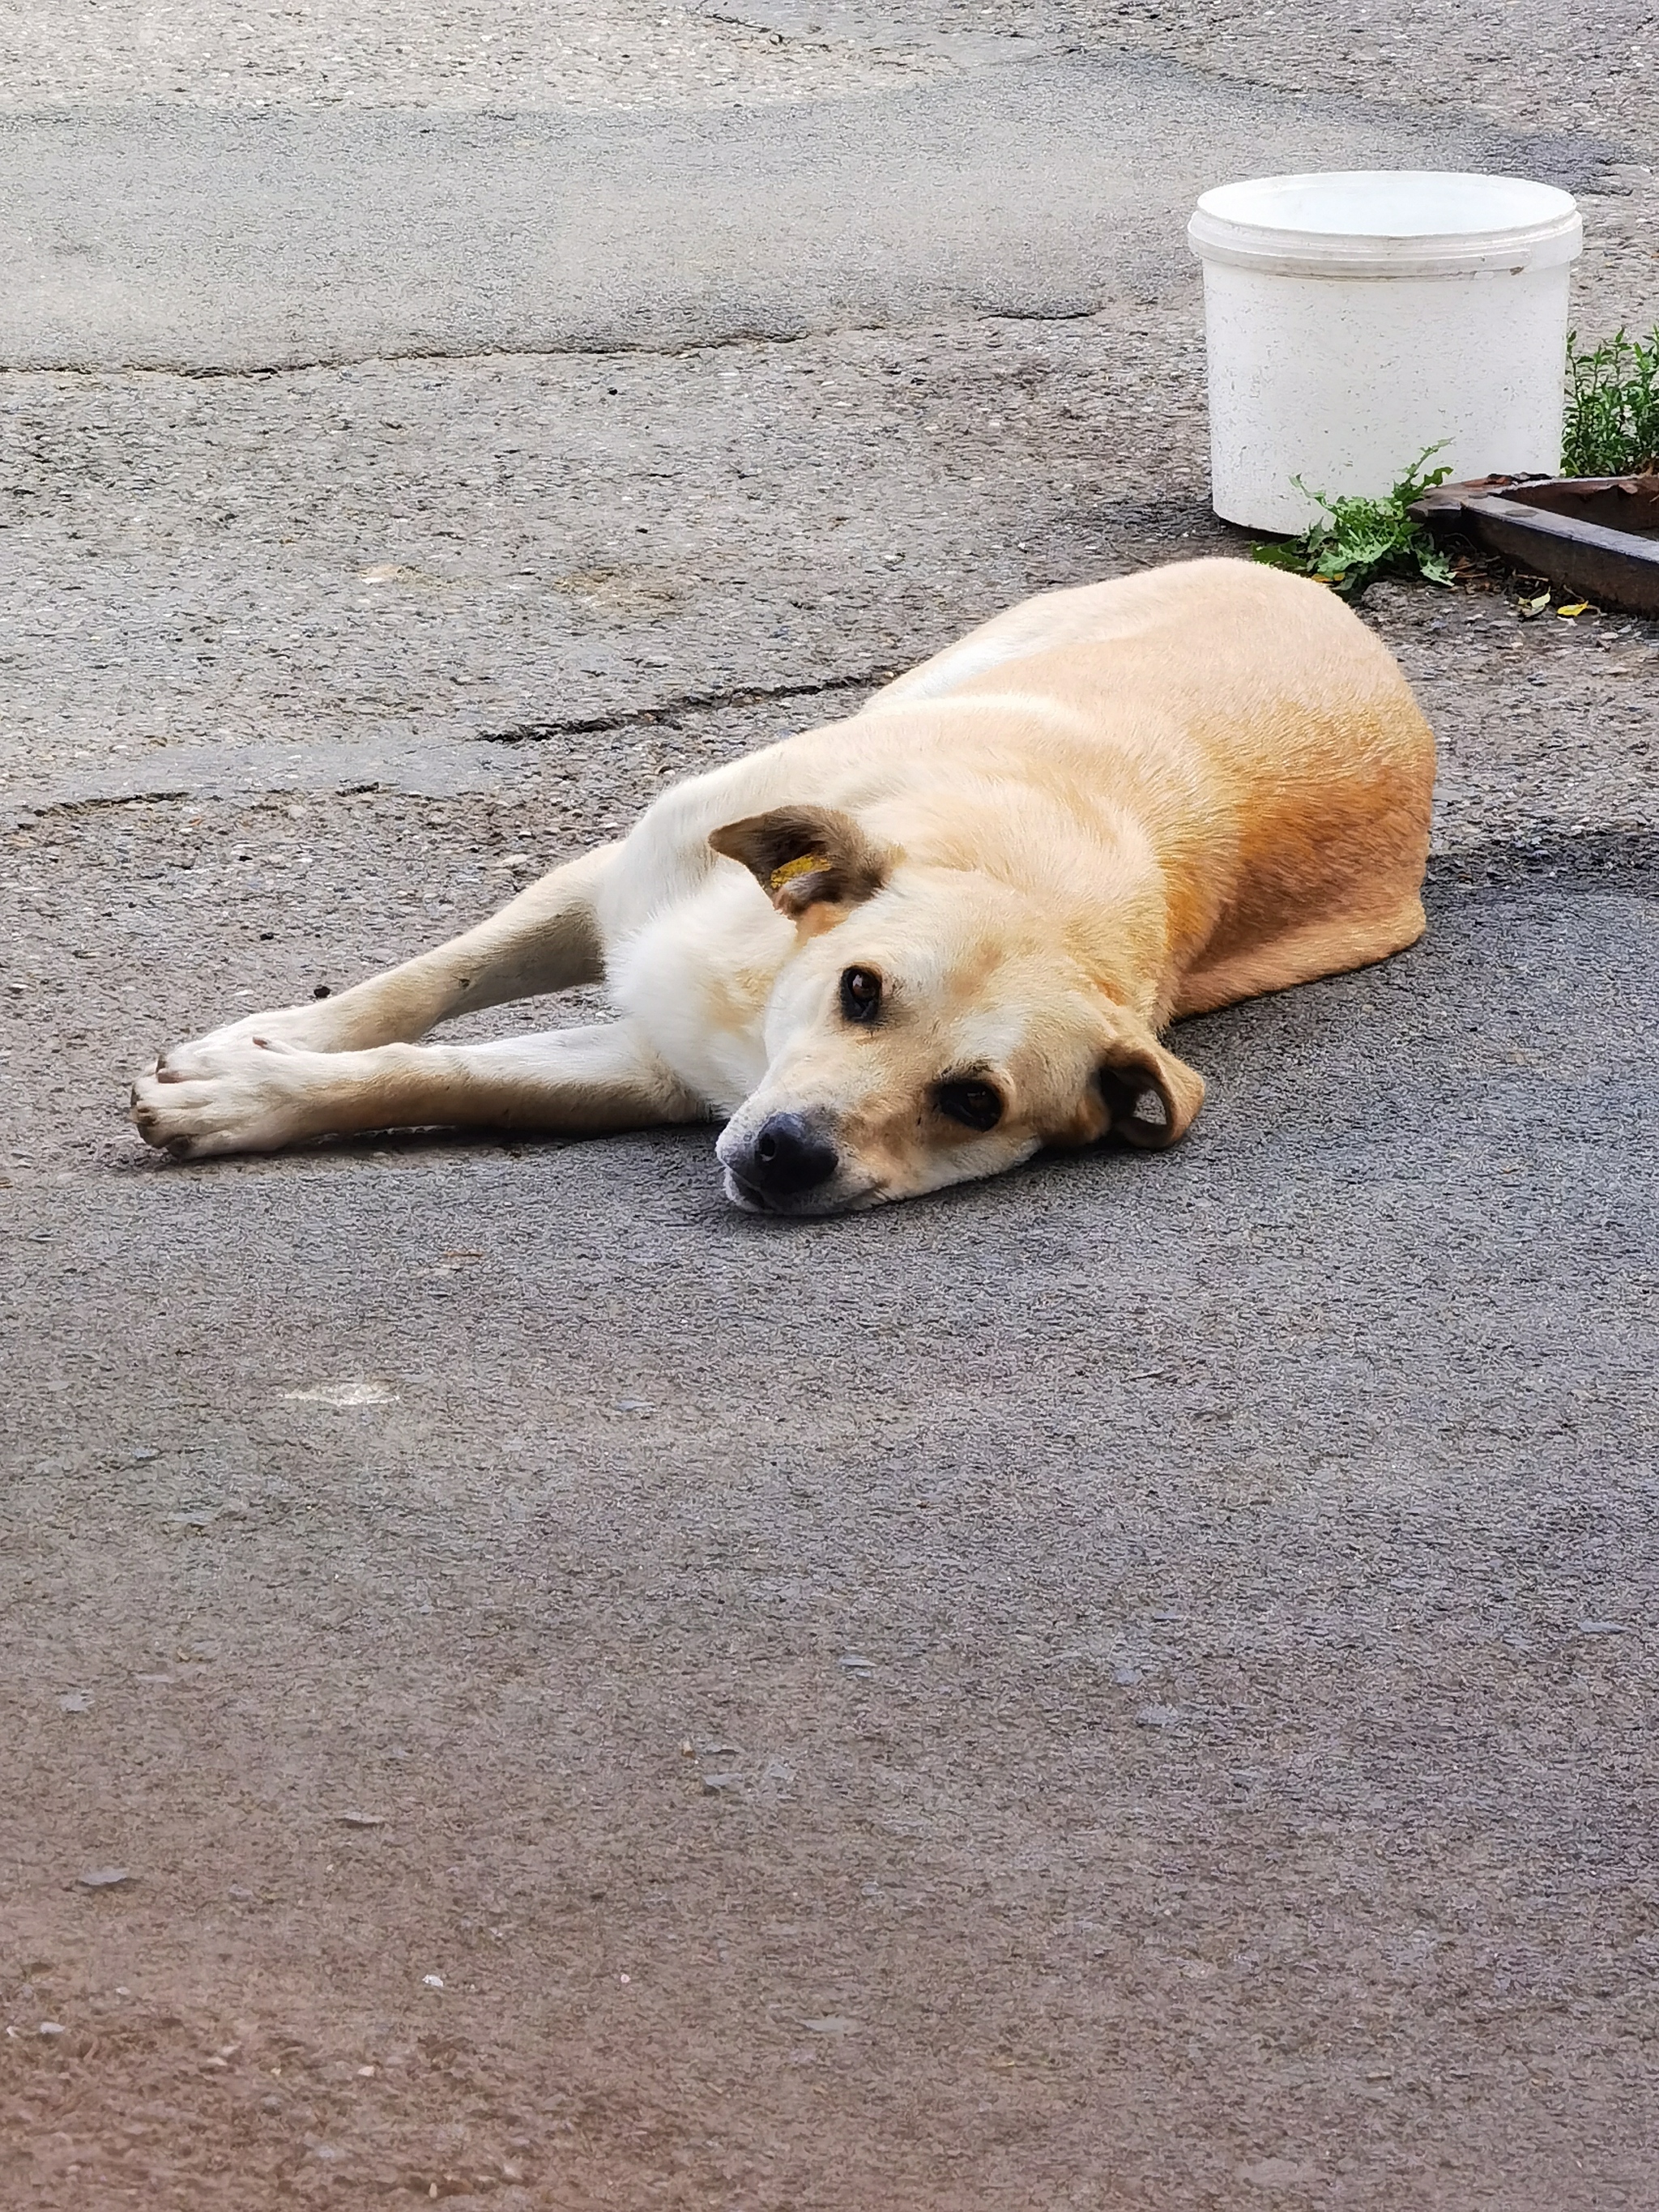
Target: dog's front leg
[237,1094]
[546,939]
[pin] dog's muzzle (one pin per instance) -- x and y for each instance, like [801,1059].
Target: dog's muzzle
[786,1158]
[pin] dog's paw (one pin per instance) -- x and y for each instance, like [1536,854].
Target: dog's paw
[313,1028]
[247,1095]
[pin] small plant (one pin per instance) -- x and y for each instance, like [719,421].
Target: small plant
[1612,426]
[1355,541]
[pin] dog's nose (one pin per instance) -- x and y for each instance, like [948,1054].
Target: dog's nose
[788,1155]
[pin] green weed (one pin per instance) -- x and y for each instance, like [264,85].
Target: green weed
[1355,541]
[1612,427]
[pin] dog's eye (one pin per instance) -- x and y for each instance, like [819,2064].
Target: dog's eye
[976,1105]
[860,993]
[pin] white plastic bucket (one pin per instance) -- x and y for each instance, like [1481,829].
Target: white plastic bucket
[1354,319]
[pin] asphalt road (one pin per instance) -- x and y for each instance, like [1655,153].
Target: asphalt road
[1131,1685]
[204,241]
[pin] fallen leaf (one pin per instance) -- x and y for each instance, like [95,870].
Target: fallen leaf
[367,1393]
[1275,2174]
[1578,607]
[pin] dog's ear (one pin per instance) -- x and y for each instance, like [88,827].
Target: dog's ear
[1137,1074]
[805,857]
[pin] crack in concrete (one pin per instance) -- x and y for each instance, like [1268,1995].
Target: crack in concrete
[687,702]
[1625,859]
[25,817]
[577,349]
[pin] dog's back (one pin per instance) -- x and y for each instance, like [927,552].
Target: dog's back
[1251,725]
[1269,676]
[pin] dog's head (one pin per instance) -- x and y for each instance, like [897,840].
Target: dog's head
[932,1024]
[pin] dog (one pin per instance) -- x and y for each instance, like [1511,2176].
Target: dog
[916,945]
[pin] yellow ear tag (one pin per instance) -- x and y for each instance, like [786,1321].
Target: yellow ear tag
[804,865]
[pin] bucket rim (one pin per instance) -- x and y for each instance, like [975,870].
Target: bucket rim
[1233,223]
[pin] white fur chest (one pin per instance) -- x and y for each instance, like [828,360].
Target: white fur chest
[696,978]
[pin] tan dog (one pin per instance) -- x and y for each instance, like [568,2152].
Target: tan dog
[914,946]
